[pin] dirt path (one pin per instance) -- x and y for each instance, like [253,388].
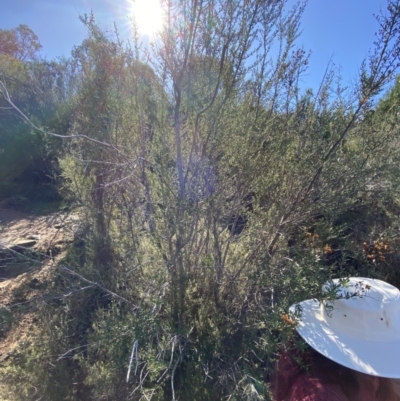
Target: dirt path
[45,230]
[7,216]
[30,247]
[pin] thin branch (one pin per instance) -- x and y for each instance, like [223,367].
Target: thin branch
[7,97]
[112,294]
[70,350]
[134,351]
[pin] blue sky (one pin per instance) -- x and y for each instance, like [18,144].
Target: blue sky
[342,29]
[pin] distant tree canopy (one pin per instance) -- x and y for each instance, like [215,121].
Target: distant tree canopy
[41,90]
[20,43]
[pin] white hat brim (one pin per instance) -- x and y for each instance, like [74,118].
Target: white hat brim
[377,358]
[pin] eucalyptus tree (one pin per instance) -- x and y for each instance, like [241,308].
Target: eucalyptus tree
[20,43]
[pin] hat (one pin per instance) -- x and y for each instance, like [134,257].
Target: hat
[359,330]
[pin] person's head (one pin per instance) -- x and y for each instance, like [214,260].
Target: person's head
[360,329]
[354,340]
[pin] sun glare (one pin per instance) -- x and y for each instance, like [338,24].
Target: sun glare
[149,16]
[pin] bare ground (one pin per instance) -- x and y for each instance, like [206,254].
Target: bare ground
[22,279]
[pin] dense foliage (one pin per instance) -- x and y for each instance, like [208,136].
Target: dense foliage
[214,194]
[35,92]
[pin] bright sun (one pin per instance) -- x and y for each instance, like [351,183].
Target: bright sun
[149,16]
